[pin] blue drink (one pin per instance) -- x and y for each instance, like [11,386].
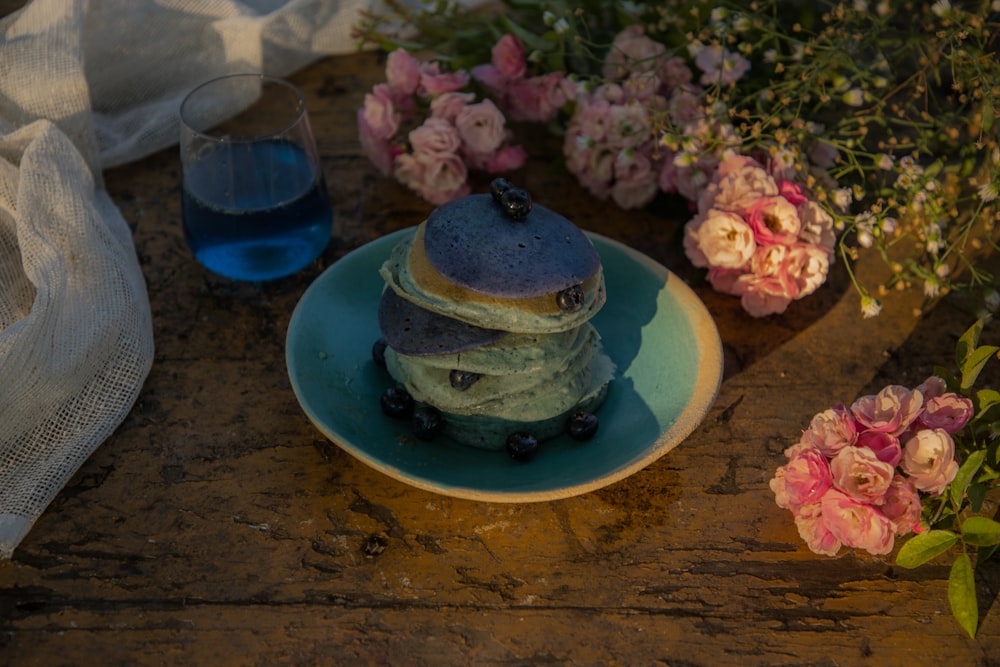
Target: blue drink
[256,210]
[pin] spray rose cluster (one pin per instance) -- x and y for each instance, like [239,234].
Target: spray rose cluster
[615,142]
[761,237]
[425,128]
[855,477]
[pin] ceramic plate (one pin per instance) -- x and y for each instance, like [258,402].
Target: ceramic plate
[653,326]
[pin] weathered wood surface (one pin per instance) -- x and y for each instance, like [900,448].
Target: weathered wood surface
[217,526]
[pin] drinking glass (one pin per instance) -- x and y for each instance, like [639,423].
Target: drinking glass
[255,202]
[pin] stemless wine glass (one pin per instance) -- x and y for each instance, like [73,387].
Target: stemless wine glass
[255,201]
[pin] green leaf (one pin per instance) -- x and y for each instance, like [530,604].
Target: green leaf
[964,476]
[986,399]
[974,363]
[934,168]
[962,594]
[977,495]
[921,548]
[967,342]
[980,531]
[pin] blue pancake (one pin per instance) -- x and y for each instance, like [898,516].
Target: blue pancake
[410,329]
[474,243]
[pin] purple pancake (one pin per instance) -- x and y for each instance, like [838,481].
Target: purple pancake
[474,243]
[410,329]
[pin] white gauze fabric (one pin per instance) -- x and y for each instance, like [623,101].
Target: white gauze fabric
[85,86]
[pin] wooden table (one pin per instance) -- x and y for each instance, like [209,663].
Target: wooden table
[218,526]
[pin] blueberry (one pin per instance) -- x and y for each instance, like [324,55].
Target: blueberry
[462,380]
[427,422]
[582,425]
[396,402]
[516,203]
[499,186]
[571,299]
[522,446]
[378,352]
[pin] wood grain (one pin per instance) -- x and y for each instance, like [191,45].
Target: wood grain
[218,527]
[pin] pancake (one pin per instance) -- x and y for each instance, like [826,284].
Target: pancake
[410,329]
[473,243]
[408,273]
[485,317]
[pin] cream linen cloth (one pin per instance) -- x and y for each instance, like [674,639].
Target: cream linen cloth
[85,86]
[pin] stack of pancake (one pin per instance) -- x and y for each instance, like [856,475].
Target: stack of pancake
[485,318]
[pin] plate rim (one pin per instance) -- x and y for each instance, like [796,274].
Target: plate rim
[703,394]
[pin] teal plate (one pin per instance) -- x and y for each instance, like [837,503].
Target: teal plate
[658,332]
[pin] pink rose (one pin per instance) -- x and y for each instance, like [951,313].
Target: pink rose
[632,51]
[435,82]
[609,92]
[402,72]
[435,135]
[948,411]
[724,238]
[769,260]
[831,430]
[507,158]
[643,88]
[448,105]
[380,112]
[857,524]
[592,164]
[689,181]
[929,460]
[774,220]
[726,280]
[720,65]
[801,481]
[792,192]
[892,410]
[592,119]
[437,177]
[902,505]
[538,98]
[806,266]
[508,57]
[635,181]
[763,295]
[409,171]
[675,73]
[378,150]
[817,225]
[738,162]
[684,105]
[444,178]
[857,472]
[932,386]
[628,125]
[885,446]
[481,127]
[739,183]
[813,531]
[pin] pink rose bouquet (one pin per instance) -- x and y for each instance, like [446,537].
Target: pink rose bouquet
[913,463]
[426,128]
[855,476]
[760,237]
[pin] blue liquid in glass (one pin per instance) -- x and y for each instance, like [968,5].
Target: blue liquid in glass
[256,211]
